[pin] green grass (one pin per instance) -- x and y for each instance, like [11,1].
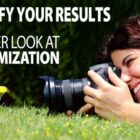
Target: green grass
[34,124]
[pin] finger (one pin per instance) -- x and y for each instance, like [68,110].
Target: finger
[90,100]
[99,81]
[114,78]
[69,112]
[84,109]
[91,91]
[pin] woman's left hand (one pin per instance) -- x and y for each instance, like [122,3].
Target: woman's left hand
[109,101]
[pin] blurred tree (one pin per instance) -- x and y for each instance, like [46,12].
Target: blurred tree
[78,44]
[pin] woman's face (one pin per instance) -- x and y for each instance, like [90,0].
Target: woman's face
[128,61]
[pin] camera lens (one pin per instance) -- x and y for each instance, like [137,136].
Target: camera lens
[62,95]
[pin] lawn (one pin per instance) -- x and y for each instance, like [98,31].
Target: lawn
[29,123]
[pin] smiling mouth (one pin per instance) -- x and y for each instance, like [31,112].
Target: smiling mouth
[136,89]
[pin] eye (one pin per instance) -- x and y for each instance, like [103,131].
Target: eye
[129,62]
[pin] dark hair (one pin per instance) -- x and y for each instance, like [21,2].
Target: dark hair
[127,36]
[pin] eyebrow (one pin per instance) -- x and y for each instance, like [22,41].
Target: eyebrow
[124,60]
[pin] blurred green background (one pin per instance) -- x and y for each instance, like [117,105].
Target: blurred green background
[78,45]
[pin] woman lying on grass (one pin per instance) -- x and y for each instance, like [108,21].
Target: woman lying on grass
[116,101]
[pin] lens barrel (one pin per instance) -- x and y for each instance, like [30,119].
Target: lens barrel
[62,95]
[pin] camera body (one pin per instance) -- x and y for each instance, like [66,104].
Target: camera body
[63,95]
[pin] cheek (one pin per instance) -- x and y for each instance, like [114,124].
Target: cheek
[135,71]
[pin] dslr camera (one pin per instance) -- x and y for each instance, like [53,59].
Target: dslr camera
[62,95]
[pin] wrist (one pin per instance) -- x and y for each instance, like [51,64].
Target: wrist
[131,111]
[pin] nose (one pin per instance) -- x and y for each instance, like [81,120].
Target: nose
[126,77]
